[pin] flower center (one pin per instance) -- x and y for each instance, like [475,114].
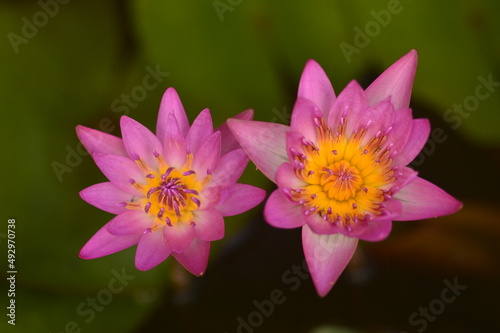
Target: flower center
[340,181]
[347,178]
[170,194]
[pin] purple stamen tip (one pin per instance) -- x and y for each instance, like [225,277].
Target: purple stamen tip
[193,224]
[156,154]
[150,176]
[189,172]
[169,223]
[196,201]
[122,204]
[134,156]
[147,207]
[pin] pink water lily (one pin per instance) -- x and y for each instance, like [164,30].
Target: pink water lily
[171,190]
[341,165]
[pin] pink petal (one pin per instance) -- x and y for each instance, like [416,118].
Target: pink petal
[201,129]
[210,197]
[228,140]
[419,134]
[263,142]
[140,142]
[238,198]
[209,225]
[401,129]
[174,144]
[99,142]
[281,212]
[422,200]
[230,168]
[404,176]
[120,171]
[171,103]
[376,118]
[327,256]
[396,81]
[315,86]
[350,103]
[151,250]
[195,257]
[373,231]
[294,144]
[178,237]
[107,197]
[287,178]
[320,226]
[103,243]
[129,223]
[207,157]
[304,118]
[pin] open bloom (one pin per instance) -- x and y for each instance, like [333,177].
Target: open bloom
[341,165]
[170,191]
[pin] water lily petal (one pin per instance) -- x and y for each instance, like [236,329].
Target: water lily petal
[195,257]
[419,134]
[422,200]
[327,256]
[151,250]
[209,225]
[179,236]
[305,115]
[129,223]
[103,243]
[315,86]
[207,158]
[230,168]
[373,231]
[263,142]
[171,103]
[287,178]
[281,212]
[200,130]
[121,171]
[174,144]
[396,81]
[376,118]
[140,142]
[239,198]
[99,142]
[228,140]
[351,103]
[107,197]
[400,130]
[320,226]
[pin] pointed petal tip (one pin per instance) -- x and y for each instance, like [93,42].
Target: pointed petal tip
[327,256]
[397,80]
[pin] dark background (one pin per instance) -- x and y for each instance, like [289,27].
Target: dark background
[72,63]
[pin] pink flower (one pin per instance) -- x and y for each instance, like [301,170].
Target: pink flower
[170,191]
[341,167]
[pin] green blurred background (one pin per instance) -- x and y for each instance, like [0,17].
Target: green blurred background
[64,63]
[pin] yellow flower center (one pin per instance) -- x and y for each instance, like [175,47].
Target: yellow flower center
[170,194]
[347,179]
